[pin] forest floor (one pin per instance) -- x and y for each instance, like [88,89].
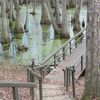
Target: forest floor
[18,73]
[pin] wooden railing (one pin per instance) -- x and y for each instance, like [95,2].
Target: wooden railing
[30,84]
[72,73]
[15,86]
[31,78]
[60,53]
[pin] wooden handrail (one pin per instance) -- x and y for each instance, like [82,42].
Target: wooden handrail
[33,73]
[17,84]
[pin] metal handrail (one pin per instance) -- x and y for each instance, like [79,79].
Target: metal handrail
[17,84]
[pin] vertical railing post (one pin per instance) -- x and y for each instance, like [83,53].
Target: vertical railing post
[70,47]
[82,38]
[40,89]
[55,60]
[81,63]
[41,72]
[63,53]
[32,79]
[15,93]
[73,82]
[64,77]
[28,75]
[67,79]
[76,43]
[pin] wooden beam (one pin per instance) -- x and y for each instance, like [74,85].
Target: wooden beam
[17,84]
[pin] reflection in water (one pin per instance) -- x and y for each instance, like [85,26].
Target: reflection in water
[51,31]
[1,49]
[25,40]
[12,49]
[1,53]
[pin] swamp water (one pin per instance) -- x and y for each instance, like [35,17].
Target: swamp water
[40,39]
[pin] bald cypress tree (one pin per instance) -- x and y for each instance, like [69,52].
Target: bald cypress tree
[92,82]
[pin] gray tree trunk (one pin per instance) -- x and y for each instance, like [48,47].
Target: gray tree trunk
[45,17]
[92,83]
[64,30]
[5,33]
[58,13]
[53,19]
[18,27]
[52,3]
[34,6]
[76,21]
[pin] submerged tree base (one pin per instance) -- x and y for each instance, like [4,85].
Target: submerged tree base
[45,22]
[64,36]
[71,5]
[5,46]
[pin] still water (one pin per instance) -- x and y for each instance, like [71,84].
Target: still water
[40,39]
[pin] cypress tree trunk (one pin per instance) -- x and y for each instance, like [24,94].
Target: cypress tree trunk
[52,3]
[53,19]
[92,84]
[75,20]
[18,27]
[58,13]
[5,33]
[45,18]
[64,30]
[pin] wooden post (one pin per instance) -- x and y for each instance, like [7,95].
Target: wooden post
[32,79]
[70,47]
[15,93]
[55,60]
[82,37]
[41,72]
[73,83]
[40,89]
[76,43]
[28,76]
[81,63]
[64,53]
[67,79]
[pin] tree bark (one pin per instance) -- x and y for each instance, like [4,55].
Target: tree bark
[53,19]
[34,6]
[58,13]
[75,20]
[45,17]
[18,27]
[64,30]
[52,3]
[92,83]
[5,32]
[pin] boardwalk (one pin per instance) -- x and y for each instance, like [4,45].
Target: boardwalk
[53,83]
